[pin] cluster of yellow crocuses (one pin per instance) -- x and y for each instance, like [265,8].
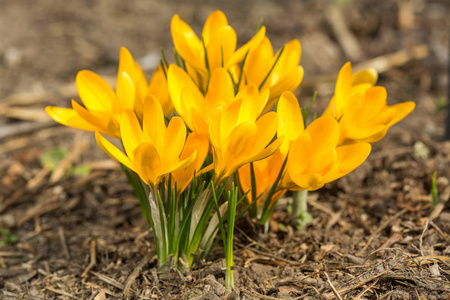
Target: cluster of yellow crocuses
[218,102]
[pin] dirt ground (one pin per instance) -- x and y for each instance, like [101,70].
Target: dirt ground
[75,231]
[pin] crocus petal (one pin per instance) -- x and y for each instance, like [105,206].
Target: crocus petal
[148,163]
[131,132]
[402,110]
[112,151]
[153,123]
[269,150]
[324,133]
[182,164]
[291,123]
[95,92]
[309,182]
[97,119]
[183,92]
[125,88]
[221,47]
[289,60]
[259,62]
[158,88]
[215,21]
[69,117]
[125,92]
[289,83]
[187,43]
[194,142]
[175,138]
[239,55]
[349,157]
[267,128]
[220,90]
[369,76]
[240,144]
[343,89]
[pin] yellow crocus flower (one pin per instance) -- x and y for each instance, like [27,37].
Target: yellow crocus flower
[238,137]
[314,155]
[103,106]
[361,108]
[218,39]
[286,74]
[153,150]
[196,109]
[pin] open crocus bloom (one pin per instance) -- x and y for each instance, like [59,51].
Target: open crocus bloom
[196,109]
[153,150]
[361,108]
[237,135]
[217,48]
[103,106]
[314,156]
[278,73]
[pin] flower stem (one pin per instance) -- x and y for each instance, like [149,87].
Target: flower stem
[300,216]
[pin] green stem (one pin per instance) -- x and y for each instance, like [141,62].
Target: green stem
[300,216]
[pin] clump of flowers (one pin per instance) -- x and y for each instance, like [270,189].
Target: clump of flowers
[202,143]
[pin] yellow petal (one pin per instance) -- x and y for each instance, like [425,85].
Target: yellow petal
[182,164]
[98,119]
[194,142]
[250,107]
[112,151]
[148,163]
[239,55]
[343,89]
[95,92]
[369,76]
[125,92]
[402,110]
[241,140]
[221,47]
[175,137]
[300,154]
[349,157]
[184,93]
[220,90]
[131,132]
[215,21]
[187,43]
[288,61]
[158,88]
[69,117]
[324,132]
[229,119]
[269,150]
[289,83]
[259,62]
[290,119]
[153,123]
[310,182]
[125,88]
[267,128]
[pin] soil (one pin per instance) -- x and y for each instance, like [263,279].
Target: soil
[76,231]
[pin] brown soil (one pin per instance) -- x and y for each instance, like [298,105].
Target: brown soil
[374,234]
